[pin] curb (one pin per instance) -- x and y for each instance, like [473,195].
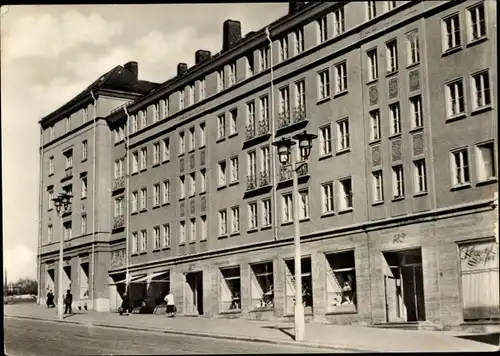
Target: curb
[205,335]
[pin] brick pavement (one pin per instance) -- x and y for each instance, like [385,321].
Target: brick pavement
[350,337]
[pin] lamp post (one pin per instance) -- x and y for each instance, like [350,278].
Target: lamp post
[284,146]
[61,203]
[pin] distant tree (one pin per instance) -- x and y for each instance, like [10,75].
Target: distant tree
[24,286]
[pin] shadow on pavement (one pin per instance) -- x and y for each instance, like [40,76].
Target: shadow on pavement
[492,338]
[282,329]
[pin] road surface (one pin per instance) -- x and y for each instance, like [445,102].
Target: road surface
[25,337]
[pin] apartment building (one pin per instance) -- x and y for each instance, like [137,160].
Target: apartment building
[396,201]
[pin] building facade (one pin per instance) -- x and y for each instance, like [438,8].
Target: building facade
[396,201]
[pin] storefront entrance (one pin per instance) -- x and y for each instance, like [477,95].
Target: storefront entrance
[404,286]
[193,293]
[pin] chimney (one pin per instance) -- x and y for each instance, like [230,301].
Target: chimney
[201,55]
[294,6]
[133,67]
[231,34]
[182,68]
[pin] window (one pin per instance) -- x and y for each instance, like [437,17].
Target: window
[299,41]
[264,58]
[182,187]
[156,238]
[220,80]
[166,108]
[182,146]
[390,5]
[232,74]
[283,48]
[182,233]
[325,140]
[416,111]
[144,196]
[378,186]
[230,294]
[451,32]
[233,118]
[51,165]
[50,234]
[266,212]
[372,64]
[252,216]
[166,235]
[327,198]
[203,181]
[143,119]
[343,135]
[251,117]
[166,191]
[191,94]
[192,230]
[84,188]
[323,84]
[338,22]
[398,182]
[69,158]
[144,157]
[479,279]
[182,96]
[68,189]
[395,119]
[340,77]
[300,94]
[375,127]
[284,100]
[420,176]
[341,282]
[68,231]
[84,150]
[392,56]
[156,112]
[135,123]
[203,228]
[166,150]
[156,195]
[265,161]
[286,208]
[192,185]
[203,137]
[203,89]
[304,204]
[191,139]
[221,126]
[262,292]
[264,114]
[371,9]
[50,196]
[222,173]
[222,222]
[476,22]
[68,124]
[156,153]
[481,90]
[345,194]
[135,243]
[322,29]
[460,167]
[250,65]
[235,219]
[144,241]
[455,98]
[234,176]
[485,161]
[134,202]
[307,295]
[413,47]
[52,132]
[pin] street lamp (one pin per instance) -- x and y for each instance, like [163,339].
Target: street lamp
[284,147]
[61,203]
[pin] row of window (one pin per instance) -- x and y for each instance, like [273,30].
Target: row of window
[68,229]
[68,189]
[67,124]
[68,157]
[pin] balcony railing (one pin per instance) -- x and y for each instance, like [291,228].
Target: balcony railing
[263,126]
[249,131]
[118,221]
[283,119]
[265,178]
[285,173]
[119,183]
[69,172]
[251,182]
[299,113]
[302,168]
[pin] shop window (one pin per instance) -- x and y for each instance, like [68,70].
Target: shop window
[262,285]
[307,296]
[340,283]
[230,293]
[479,277]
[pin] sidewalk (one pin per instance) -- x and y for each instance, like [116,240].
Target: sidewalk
[345,337]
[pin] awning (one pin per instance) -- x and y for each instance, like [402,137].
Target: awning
[133,279]
[151,276]
[166,279]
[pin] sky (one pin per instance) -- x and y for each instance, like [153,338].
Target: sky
[51,53]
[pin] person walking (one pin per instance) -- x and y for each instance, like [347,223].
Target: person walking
[50,299]
[169,298]
[125,304]
[68,300]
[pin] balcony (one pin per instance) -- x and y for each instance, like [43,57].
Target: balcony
[283,119]
[303,169]
[255,134]
[118,222]
[265,178]
[119,183]
[263,127]
[299,114]
[249,132]
[287,124]
[251,182]
[285,173]
[68,174]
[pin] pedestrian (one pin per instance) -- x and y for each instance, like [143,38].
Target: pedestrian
[125,304]
[50,299]
[68,300]
[170,304]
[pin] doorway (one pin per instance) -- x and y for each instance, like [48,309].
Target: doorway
[194,293]
[404,286]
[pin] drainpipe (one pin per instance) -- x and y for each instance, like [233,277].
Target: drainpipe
[273,155]
[40,224]
[127,189]
[94,149]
